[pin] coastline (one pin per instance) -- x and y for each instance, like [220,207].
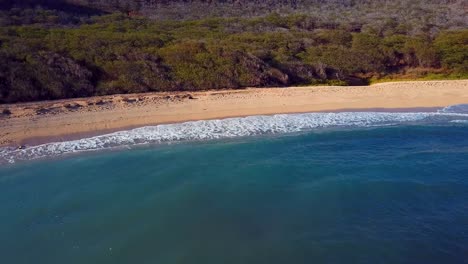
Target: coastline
[43,122]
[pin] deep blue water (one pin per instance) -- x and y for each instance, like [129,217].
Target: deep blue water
[373,195]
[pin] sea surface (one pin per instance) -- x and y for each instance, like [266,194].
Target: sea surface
[304,188]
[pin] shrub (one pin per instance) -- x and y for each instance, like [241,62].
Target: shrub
[48,54]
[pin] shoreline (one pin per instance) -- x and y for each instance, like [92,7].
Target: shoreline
[51,121]
[80,135]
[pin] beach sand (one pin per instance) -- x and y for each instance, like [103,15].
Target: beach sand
[34,123]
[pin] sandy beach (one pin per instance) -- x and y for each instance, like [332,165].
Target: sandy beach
[33,123]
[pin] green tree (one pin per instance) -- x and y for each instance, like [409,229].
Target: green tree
[452,46]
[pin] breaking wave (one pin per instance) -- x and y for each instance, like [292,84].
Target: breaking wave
[233,127]
[460,109]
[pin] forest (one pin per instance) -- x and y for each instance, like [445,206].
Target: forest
[76,48]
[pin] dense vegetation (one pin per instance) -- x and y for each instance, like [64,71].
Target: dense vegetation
[61,51]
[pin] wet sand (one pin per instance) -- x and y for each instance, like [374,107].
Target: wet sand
[34,123]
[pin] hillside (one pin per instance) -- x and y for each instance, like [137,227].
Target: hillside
[446,13]
[52,49]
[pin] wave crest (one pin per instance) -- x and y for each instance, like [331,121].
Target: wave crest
[460,109]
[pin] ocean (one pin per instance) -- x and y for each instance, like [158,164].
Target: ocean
[362,187]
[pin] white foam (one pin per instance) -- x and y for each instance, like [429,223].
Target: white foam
[459,121]
[216,129]
[460,108]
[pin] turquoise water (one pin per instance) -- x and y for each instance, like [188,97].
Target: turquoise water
[396,194]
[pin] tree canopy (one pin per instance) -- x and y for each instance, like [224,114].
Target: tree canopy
[52,53]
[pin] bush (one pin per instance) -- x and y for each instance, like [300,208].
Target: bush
[42,57]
